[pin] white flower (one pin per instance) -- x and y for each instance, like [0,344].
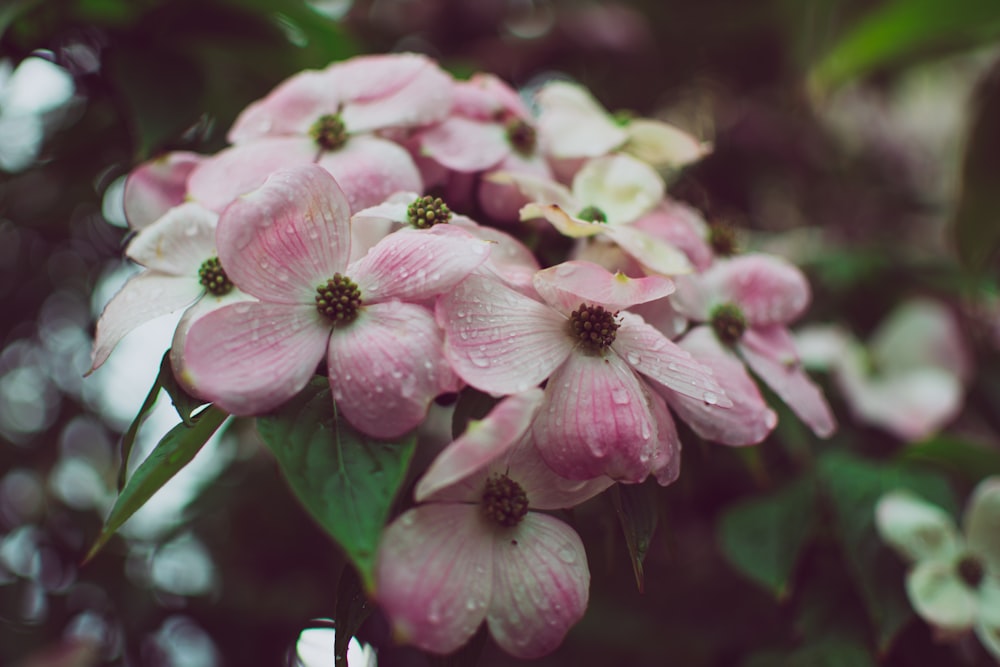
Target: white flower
[954,581]
[30,96]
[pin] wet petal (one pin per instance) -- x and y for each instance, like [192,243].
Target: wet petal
[288,110]
[567,285]
[387,366]
[940,597]
[595,420]
[154,187]
[665,462]
[916,528]
[433,575]
[178,243]
[982,523]
[285,238]
[250,357]
[652,354]
[770,353]
[545,489]
[540,586]
[465,145]
[418,264]
[370,169]
[499,340]
[657,255]
[144,297]
[482,442]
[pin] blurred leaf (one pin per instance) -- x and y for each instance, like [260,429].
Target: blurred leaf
[976,225]
[637,512]
[184,403]
[12,10]
[128,438]
[832,652]
[171,454]
[162,91]
[472,405]
[903,30]
[350,612]
[853,486]
[972,460]
[763,537]
[346,480]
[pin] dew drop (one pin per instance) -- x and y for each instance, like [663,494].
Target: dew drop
[710,398]
[633,357]
[620,396]
[567,556]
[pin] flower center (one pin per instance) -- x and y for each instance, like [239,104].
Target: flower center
[722,238]
[970,570]
[521,136]
[339,299]
[592,214]
[728,322]
[594,327]
[427,211]
[329,132]
[504,501]
[214,278]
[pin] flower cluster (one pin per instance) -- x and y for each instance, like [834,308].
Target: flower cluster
[367,223]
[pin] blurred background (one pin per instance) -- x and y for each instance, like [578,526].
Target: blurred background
[859,138]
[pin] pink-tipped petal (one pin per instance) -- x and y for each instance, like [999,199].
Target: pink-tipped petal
[154,187]
[748,421]
[595,420]
[237,170]
[483,441]
[387,366]
[540,586]
[287,237]
[657,255]
[418,264]
[770,353]
[289,110]
[682,227]
[465,145]
[178,243]
[369,169]
[665,463]
[250,357]
[567,285]
[499,340]
[144,297]
[653,355]
[545,489]
[433,575]
[502,201]
[538,189]
[510,260]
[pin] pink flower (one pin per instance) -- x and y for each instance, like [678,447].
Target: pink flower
[331,117]
[156,186]
[288,243]
[476,552]
[749,300]
[599,415]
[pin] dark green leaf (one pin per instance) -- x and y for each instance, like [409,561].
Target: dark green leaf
[184,403]
[971,460]
[898,32]
[832,652]
[763,537]
[977,219]
[171,454]
[637,511]
[128,438]
[351,610]
[346,480]
[853,487]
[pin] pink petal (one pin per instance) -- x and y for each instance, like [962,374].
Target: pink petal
[498,340]
[483,441]
[290,109]
[656,254]
[418,264]
[236,170]
[510,260]
[770,353]
[432,575]
[540,586]
[251,357]
[387,366]
[538,189]
[682,227]
[178,243]
[465,145]
[665,463]
[369,169]
[371,225]
[285,238]
[144,297]
[653,355]
[767,289]
[595,420]
[503,201]
[154,187]
[748,421]
[545,489]
[567,285]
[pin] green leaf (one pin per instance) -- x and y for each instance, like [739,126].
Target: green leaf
[899,32]
[832,652]
[853,487]
[171,454]
[350,612]
[976,225]
[184,403]
[128,438]
[345,480]
[636,507]
[969,459]
[763,537]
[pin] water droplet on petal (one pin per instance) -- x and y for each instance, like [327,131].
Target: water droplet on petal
[710,398]
[633,357]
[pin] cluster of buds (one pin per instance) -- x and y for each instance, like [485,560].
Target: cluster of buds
[337,235]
